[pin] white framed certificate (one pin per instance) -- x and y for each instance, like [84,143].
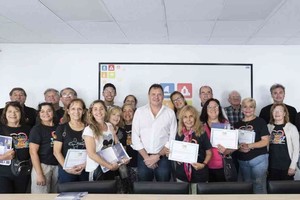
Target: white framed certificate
[247,137]
[183,151]
[74,157]
[225,137]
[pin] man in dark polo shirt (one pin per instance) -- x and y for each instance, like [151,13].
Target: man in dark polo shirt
[19,94]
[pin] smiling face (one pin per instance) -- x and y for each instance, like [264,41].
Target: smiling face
[13,116]
[19,96]
[130,100]
[278,114]
[52,97]
[248,110]
[156,97]
[212,111]
[75,111]
[178,101]
[46,114]
[109,94]
[188,120]
[99,112]
[127,113]
[115,117]
[234,99]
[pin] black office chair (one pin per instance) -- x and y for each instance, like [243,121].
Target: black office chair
[104,186]
[160,188]
[283,187]
[225,188]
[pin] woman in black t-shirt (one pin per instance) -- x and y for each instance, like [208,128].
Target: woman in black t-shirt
[13,121]
[253,157]
[69,136]
[44,174]
[284,144]
[190,129]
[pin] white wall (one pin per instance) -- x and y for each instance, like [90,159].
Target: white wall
[36,67]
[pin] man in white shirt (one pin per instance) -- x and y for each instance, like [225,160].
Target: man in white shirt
[153,126]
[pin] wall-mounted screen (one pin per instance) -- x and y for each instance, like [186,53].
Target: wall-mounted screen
[136,78]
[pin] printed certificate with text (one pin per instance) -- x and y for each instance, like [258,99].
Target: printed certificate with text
[225,137]
[183,151]
[74,157]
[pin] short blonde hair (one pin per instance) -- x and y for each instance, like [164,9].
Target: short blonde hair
[250,101]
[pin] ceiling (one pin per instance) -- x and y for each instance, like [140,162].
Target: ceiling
[191,22]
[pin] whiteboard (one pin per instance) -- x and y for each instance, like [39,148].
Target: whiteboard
[136,78]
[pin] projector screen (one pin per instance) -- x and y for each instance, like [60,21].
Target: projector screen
[136,78]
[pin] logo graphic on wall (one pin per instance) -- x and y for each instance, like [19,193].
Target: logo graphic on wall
[111,67]
[104,67]
[103,74]
[168,89]
[111,75]
[186,89]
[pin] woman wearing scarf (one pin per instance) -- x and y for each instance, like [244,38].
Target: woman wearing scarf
[190,130]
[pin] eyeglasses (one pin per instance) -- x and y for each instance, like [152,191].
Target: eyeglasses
[212,107]
[109,91]
[177,99]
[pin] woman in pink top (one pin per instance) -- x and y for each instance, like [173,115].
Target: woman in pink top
[212,113]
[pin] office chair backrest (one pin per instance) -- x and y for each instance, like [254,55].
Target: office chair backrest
[225,188]
[160,188]
[283,187]
[104,186]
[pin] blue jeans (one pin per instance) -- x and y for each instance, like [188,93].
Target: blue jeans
[64,176]
[255,171]
[161,173]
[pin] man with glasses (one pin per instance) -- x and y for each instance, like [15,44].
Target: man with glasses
[18,94]
[66,96]
[109,93]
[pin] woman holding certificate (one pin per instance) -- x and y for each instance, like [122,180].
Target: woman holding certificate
[284,144]
[13,125]
[44,174]
[99,135]
[253,157]
[211,114]
[69,136]
[190,130]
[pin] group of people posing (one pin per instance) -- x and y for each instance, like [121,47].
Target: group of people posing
[45,136]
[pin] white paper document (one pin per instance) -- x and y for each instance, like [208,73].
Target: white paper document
[5,145]
[225,137]
[74,157]
[113,154]
[183,151]
[247,137]
[71,195]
